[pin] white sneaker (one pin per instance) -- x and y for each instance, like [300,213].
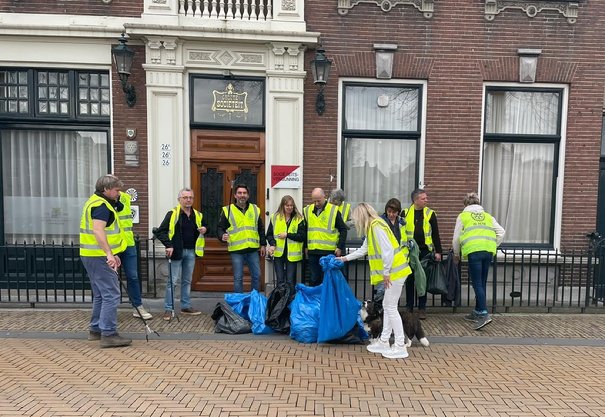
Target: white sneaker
[378,346]
[146,315]
[396,352]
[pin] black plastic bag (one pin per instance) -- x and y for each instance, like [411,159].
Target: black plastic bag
[453,280]
[357,335]
[277,315]
[436,279]
[228,321]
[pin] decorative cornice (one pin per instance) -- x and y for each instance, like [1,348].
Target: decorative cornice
[569,8]
[426,7]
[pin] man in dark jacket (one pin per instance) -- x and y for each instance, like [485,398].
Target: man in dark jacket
[182,233]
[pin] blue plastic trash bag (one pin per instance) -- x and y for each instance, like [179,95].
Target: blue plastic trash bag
[339,309]
[256,313]
[239,302]
[304,313]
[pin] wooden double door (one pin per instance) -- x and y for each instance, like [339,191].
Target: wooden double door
[219,161]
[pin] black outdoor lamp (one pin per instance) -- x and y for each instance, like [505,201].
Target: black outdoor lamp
[321,69]
[122,59]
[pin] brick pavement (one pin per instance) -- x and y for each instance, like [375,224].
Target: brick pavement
[270,376]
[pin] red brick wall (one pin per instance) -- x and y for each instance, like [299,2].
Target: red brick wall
[125,8]
[125,117]
[456,51]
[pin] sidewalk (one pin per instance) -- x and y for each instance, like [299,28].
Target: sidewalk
[518,366]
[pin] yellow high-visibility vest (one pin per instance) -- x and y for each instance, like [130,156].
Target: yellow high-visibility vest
[174,218]
[125,219]
[294,248]
[321,230]
[243,229]
[400,268]
[88,242]
[426,226]
[345,211]
[477,233]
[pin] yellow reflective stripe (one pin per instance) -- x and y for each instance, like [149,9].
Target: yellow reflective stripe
[374,257]
[326,242]
[399,268]
[478,227]
[85,246]
[295,253]
[468,239]
[239,242]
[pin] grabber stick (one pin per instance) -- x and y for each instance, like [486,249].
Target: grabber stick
[148,330]
[173,314]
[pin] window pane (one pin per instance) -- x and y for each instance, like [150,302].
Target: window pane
[381,108]
[522,112]
[517,189]
[379,169]
[45,204]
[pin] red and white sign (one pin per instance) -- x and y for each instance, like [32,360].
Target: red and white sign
[285,176]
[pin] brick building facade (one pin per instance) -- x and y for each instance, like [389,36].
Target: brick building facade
[460,55]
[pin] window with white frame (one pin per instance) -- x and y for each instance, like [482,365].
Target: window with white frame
[380,141]
[54,139]
[521,143]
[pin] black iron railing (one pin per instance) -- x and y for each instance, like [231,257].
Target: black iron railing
[53,273]
[538,280]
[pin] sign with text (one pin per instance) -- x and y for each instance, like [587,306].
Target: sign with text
[285,176]
[228,101]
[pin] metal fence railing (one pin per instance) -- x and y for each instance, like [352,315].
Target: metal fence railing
[53,273]
[536,280]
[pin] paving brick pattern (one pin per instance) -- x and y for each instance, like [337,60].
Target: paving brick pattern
[585,326]
[284,378]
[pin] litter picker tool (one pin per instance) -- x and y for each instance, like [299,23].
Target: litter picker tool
[172,312]
[148,330]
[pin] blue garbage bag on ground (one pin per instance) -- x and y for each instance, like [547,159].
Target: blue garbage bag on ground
[256,313]
[239,302]
[304,313]
[339,309]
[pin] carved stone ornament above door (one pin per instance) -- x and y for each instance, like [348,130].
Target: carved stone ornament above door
[568,8]
[426,7]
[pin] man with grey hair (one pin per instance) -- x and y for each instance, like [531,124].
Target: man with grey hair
[337,198]
[182,233]
[101,240]
[326,233]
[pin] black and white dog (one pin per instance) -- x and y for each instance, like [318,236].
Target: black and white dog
[371,315]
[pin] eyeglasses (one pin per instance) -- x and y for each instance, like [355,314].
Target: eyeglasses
[187,198]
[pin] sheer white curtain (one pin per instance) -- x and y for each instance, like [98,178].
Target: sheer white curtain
[379,169]
[381,108]
[47,176]
[518,177]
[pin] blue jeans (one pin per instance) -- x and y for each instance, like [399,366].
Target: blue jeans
[105,295]
[130,268]
[251,259]
[285,271]
[478,268]
[184,268]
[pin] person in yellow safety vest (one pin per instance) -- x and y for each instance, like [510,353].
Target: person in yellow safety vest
[241,227]
[337,198]
[326,233]
[101,240]
[396,223]
[182,233]
[129,258]
[286,236]
[477,235]
[389,266]
[421,225]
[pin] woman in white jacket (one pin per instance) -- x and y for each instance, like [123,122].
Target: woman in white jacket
[477,235]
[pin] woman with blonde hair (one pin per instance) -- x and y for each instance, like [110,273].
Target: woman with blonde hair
[388,265]
[286,234]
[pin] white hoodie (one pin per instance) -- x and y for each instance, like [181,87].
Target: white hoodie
[475,208]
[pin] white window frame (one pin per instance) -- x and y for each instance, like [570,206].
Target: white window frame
[394,82]
[558,201]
